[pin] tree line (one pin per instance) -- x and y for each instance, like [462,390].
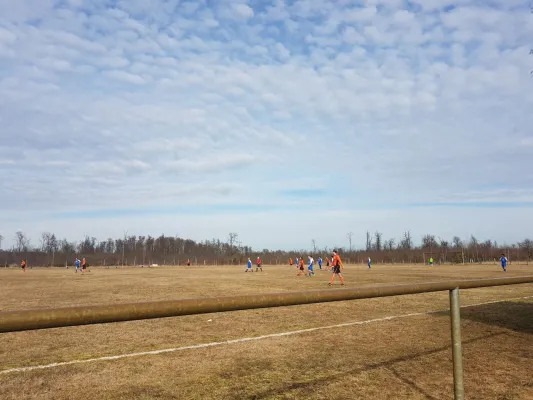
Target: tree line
[174,250]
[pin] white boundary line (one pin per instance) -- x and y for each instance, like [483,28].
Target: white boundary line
[242,340]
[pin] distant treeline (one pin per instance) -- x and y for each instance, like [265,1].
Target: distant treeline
[169,250]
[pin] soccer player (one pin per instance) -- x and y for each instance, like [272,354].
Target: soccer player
[430,261]
[369,263]
[297,262]
[301,267]
[83,265]
[336,266]
[319,262]
[310,271]
[290,262]
[23,265]
[188,262]
[503,261]
[77,263]
[249,266]
[259,265]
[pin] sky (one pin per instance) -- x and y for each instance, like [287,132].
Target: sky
[282,121]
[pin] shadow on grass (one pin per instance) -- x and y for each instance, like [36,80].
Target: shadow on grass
[316,383]
[511,315]
[411,384]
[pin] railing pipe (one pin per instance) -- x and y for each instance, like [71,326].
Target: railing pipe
[12,321]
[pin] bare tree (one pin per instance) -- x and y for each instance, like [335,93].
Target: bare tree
[52,246]
[368,241]
[527,245]
[458,244]
[474,244]
[45,241]
[67,247]
[22,243]
[379,242]
[313,243]
[49,244]
[444,244]
[157,250]
[407,241]
[1,238]
[349,235]
[232,239]
[429,242]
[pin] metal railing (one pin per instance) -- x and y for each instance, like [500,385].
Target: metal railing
[13,321]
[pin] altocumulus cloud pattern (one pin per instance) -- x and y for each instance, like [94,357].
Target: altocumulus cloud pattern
[282,120]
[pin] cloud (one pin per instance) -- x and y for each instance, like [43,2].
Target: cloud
[242,11]
[7,37]
[211,164]
[125,77]
[314,107]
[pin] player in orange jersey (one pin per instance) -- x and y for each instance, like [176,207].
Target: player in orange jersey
[23,265]
[84,266]
[337,266]
[301,266]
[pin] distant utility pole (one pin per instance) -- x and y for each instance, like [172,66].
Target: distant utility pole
[144,253]
[124,246]
[349,235]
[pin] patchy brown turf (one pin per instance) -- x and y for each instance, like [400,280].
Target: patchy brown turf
[407,358]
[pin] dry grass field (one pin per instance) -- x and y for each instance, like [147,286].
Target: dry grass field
[408,357]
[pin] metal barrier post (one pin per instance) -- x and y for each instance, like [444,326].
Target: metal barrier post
[457,353]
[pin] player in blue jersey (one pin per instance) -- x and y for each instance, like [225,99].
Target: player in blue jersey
[249,266]
[503,261]
[320,262]
[77,263]
[369,263]
[310,271]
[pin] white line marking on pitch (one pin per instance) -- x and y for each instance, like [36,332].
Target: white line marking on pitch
[242,340]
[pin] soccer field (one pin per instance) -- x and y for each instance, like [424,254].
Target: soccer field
[386,348]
